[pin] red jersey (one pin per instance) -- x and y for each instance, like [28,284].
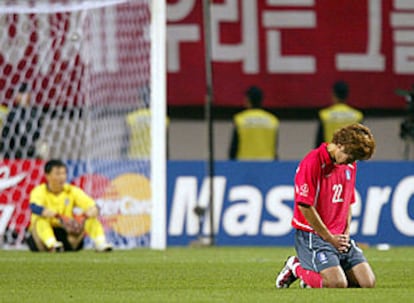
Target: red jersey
[328,187]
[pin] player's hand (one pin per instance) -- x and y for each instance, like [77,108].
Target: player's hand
[71,225]
[80,219]
[341,242]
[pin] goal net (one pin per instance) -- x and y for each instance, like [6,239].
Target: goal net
[75,84]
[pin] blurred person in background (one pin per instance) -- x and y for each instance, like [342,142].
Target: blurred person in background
[138,123]
[4,110]
[21,128]
[338,115]
[255,131]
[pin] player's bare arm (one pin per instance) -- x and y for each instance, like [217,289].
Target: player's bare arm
[48,213]
[346,231]
[340,242]
[91,212]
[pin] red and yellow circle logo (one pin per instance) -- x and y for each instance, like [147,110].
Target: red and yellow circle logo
[124,202]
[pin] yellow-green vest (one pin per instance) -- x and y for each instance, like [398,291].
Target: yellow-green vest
[4,110]
[139,125]
[337,116]
[257,135]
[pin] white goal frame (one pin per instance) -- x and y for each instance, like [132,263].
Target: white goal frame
[158,125]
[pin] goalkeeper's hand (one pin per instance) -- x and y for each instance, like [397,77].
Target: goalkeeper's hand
[71,225]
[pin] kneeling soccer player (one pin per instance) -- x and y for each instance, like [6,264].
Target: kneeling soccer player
[53,225]
[324,192]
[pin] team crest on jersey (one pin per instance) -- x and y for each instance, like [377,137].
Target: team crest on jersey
[66,202]
[348,174]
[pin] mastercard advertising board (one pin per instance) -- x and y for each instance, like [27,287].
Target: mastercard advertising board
[121,190]
[253,201]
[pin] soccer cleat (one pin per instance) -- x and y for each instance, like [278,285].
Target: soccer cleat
[57,247]
[104,247]
[286,276]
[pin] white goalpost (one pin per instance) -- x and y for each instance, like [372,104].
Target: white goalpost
[158,125]
[85,81]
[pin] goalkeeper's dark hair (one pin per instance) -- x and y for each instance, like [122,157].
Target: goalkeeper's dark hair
[53,163]
[357,139]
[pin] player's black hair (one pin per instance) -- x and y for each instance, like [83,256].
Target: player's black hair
[53,163]
[23,87]
[341,90]
[255,96]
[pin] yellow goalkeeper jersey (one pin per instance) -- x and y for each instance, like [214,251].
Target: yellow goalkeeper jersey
[63,203]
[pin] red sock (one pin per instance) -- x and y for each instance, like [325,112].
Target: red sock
[311,278]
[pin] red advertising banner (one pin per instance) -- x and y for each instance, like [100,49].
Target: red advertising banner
[294,50]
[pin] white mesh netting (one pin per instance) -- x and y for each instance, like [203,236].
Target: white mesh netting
[72,76]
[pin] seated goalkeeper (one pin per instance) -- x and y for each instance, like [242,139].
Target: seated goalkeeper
[53,224]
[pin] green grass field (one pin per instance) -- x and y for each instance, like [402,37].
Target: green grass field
[241,274]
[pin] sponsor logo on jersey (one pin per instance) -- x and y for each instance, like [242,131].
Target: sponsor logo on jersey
[304,190]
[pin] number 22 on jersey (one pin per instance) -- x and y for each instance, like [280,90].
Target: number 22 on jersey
[337,193]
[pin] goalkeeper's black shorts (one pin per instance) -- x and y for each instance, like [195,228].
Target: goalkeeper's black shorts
[61,236]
